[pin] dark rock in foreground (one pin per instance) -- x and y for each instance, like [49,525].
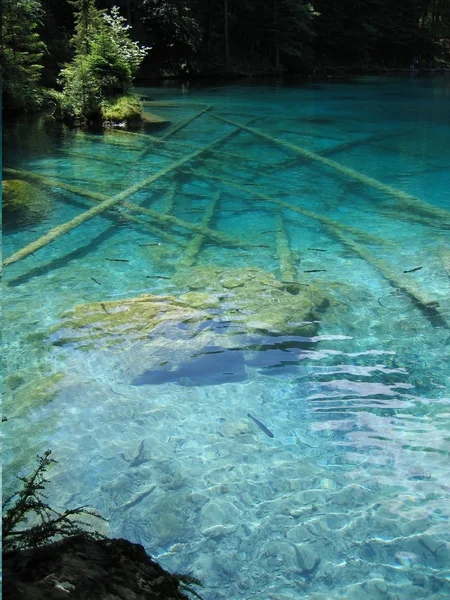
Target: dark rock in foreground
[84,569]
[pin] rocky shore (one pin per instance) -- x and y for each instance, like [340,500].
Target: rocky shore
[83,569]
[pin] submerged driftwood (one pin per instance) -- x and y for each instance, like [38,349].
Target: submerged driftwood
[402,197]
[194,247]
[164,219]
[371,239]
[287,269]
[427,304]
[107,203]
[175,130]
[169,200]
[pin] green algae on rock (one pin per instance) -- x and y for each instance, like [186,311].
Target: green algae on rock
[23,394]
[24,199]
[252,297]
[131,317]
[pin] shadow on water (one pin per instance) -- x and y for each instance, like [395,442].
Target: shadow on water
[62,261]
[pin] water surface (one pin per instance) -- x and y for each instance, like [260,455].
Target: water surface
[314,295]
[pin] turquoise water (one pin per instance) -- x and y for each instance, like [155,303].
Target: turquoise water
[326,317]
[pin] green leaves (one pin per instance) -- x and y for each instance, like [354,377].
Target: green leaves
[105,61]
[28,521]
[22,55]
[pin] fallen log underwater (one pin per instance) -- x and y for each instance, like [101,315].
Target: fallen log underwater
[194,247]
[403,198]
[427,304]
[106,203]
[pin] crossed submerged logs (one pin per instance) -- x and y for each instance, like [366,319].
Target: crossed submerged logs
[402,197]
[367,237]
[106,203]
[96,196]
[173,131]
[428,305]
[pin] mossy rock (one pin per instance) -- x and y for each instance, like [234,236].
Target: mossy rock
[127,111]
[253,297]
[24,200]
[200,300]
[27,395]
[259,300]
[151,118]
[14,381]
[135,318]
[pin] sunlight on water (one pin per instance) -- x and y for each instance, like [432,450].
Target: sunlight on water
[244,363]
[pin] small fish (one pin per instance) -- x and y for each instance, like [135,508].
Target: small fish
[117,259]
[151,244]
[315,271]
[93,279]
[261,426]
[419,476]
[138,497]
[295,283]
[270,231]
[260,246]
[317,249]
[412,270]
[157,277]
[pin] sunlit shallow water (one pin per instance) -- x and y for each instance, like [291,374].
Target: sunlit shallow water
[149,420]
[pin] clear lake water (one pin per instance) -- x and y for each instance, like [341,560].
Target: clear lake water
[273,416]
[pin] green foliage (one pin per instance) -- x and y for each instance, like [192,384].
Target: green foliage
[105,61]
[88,20]
[111,72]
[186,582]
[28,521]
[129,52]
[80,98]
[22,55]
[173,22]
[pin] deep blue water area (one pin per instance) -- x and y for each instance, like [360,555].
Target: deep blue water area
[243,362]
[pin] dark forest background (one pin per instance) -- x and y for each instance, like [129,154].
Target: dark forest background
[220,38]
[244,37]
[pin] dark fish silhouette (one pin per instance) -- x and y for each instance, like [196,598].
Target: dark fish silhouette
[261,426]
[214,366]
[413,270]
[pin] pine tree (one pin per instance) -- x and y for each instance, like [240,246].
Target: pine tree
[104,64]
[22,54]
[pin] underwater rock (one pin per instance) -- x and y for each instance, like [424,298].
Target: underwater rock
[199,300]
[259,299]
[80,568]
[131,317]
[250,297]
[24,202]
[27,394]
[153,119]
